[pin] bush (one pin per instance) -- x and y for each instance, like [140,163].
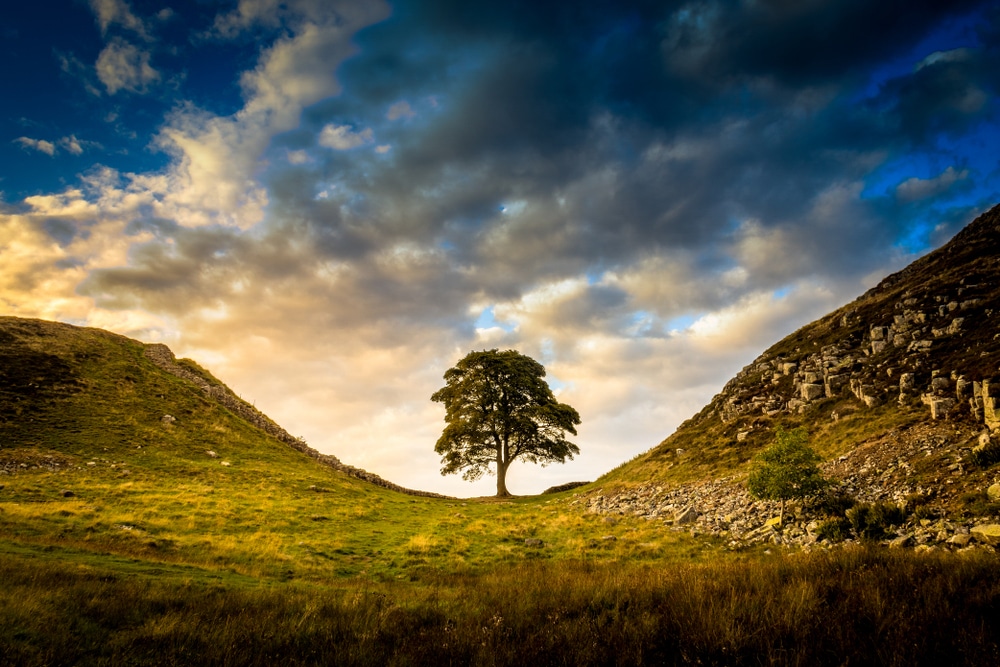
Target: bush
[836,529]
[872,521]
[786,470]
[987,456]
[835,503]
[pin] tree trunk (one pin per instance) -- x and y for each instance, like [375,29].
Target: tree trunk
[502,491]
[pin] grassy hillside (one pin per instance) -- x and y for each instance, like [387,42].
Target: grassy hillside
[93,464]
[947,299]
[148,525]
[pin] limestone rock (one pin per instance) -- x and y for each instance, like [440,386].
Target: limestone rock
[901,541]
[687,515]
[960,540]
[987,533]
[168,419]
[994,492]
[811,392]
[534,542]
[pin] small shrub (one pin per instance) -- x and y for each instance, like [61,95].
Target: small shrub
[872,521]
[836,529]
[835,503]
[978,503]
[986,457]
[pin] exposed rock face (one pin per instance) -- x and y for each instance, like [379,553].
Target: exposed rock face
[927,333]
[925,341]
[162,356]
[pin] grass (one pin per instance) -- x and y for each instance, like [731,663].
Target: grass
[121,530]
[848,607]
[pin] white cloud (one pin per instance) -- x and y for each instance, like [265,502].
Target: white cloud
[72,145]
[39,145]
[343,138]
[399,110]
[123,66]
[117,12]
[297,157]
[69,144]
[913,189]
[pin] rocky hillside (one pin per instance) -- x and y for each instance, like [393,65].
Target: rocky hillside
[897,389]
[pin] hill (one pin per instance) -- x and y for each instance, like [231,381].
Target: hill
[149,516]
[898,390]
[112,447]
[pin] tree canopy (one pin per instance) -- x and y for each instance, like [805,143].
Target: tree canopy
[786,470]
[498,408]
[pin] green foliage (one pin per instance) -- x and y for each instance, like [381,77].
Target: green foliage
[835,502]
[836,529]
[498,409]
[978,503]
[874,521]
[987,457]
[787,469]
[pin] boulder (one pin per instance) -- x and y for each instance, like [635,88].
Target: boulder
[987,533]
[994,492]
[534,542]
[960,540]
[811,392]
[687,515]
[901,541]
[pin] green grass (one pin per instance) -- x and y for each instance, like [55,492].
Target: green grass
[122,532]
[849,607]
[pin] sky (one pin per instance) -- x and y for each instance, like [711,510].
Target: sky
[328,204]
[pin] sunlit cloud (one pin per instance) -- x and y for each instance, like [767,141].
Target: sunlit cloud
[123,66]
[364,200]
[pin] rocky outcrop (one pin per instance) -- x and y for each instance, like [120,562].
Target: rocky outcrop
[882,470]
[924,336]
[164,358]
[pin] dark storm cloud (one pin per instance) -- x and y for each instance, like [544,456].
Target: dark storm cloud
[947,94]
[554,140]
[798,43]
[560,103]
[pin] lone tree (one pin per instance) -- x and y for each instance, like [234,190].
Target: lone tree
[786,470]
[499,408]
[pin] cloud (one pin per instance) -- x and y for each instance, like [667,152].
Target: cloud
[69,144]
[123,66]
[39,145]
[117,12]
[913,189]
[947,92]
[344,138]
[399,110]
[643,198]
